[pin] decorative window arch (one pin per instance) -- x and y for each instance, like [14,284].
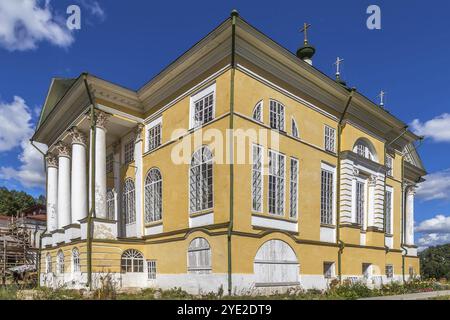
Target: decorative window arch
[295,133]
[60,262]
[153,196]
[276,115]
[129,205]
[48,263]
[365,148]
[201,180]
[258,112]
[199,256]
[132,261]
[110,205]
[76,260]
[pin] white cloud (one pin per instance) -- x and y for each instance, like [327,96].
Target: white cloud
[436,186]
[94,8]
[16,130]
[433,232]
[437,129]
[24,23]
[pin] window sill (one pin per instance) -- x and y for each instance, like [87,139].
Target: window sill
[153,224]
[273,216]
[201,213]
[329,226]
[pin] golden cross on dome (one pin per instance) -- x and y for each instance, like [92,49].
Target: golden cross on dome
[305,28]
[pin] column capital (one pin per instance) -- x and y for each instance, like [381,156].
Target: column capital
[52,160]
[101,119]
[78,137]
[63,149]
[138,132]
[411,191]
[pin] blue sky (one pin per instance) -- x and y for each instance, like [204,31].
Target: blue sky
[129,42]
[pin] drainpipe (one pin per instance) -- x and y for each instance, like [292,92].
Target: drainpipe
[38,258]
[92,209]
[340,243]
[234,15]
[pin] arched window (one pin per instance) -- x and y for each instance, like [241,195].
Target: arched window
[132,261]
[365,149]
[128,203]
[294,128]
[258,112]
[201,180]
[48,263]
[199,256]
[76,260]
[153,196]
[60,262]
[110,205]
[276,115]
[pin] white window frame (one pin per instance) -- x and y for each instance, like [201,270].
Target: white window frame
[127,153]
[211,162]
[110,204]
[330,270]
[150,188]
[135,259]
[196,247]
[326,167]
[391,215]
[148,128]
[197,97]
[260,106]
[294,128]
[60,262]
[293,200]
[280,112]
[48,263]
[364,200]
[283,197]
[389,275]
[151,269]
[329,138]
[130,217]
[76,267]
[261,172]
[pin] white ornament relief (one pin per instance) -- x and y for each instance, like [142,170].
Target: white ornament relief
[63,149]
[78,136]
[372,181]
[52,160]
[355,172]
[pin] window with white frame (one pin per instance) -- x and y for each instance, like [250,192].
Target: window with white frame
[258,112]
[330,139]
[276,115]
[257,178]
[151,269]
[294,129]
[60,262]
[388,206]
[328,270]
[153,196]
[202,107]
[365,149]
[199,256]
[201,180]
[76,260]
[276,183]
[154,136]
[389,271]
[48,263]
[293,201]
[109,163]
[389,165]
[129,200]
[129,152]
[360,202]
[366,270]
[110,205]
[326,196]
[132,261]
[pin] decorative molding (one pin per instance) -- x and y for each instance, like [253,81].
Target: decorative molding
[78,137]
[101,119]
[52,160]
[63,149]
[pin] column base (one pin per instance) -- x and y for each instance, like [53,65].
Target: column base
[101,229]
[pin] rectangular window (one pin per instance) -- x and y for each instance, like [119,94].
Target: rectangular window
[326,197]
[203,110]
[109,163]
[294,189]
[328,270]
[388,207]
[389,271]
[276,183]
[389,165]
[154,137]
[276,115]
[330,138]
[360,203]
[129,152]
[257,178]
[151,269]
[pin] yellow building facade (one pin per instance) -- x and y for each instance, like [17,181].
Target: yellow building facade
[239,167]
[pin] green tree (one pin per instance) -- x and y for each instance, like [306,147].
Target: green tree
[435,262]
[12,201]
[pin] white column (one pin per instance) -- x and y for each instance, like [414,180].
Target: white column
[410,216]
[100,166]
[139,182]
[79,183]
[52,192]
[64,206]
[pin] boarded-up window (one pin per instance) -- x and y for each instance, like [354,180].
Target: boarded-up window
[276,265]
[199,256]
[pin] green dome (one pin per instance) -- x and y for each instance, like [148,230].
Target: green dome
[306,52]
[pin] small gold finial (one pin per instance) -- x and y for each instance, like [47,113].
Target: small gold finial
[305,28]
